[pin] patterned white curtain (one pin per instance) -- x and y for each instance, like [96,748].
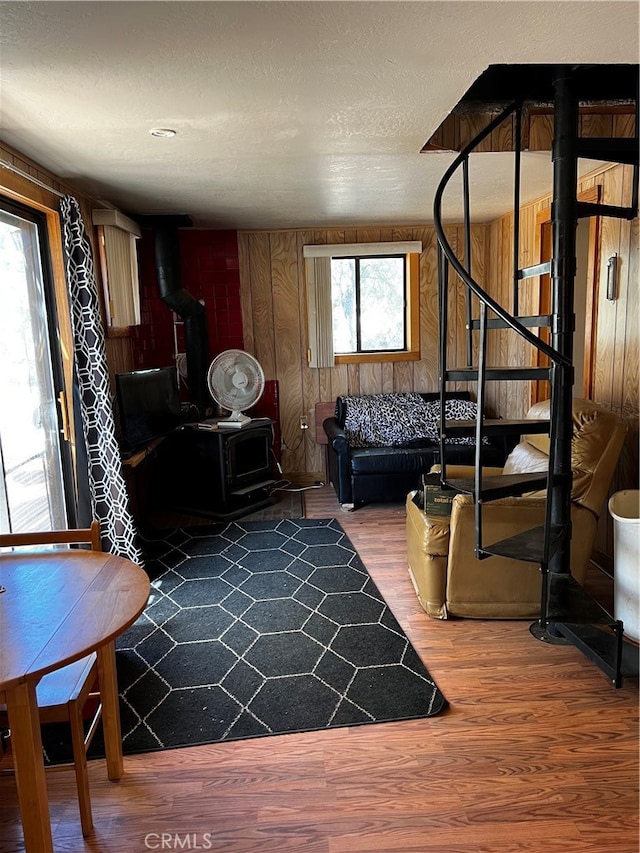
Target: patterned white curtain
[107,487]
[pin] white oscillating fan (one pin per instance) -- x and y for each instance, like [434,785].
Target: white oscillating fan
[236,382]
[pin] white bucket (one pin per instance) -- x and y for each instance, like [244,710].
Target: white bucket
[624,508]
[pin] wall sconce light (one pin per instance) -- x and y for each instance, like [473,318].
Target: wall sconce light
[612,278]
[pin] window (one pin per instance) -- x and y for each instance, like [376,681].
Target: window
[362,302]
[117,246]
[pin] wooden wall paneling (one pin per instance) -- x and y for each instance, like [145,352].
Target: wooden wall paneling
[446,136]
[451,233]
[458,318]
[605,344]
[605,351]
[339,382]
[480,273]
[287,345]
[367,235]
[502,138]
[516,347]
[402,372]
[525,252]
[505,391]
[425,371]
[623,125]
[628,469]
[492,273]
[371,378]
[540,132]
[495,337]
[246,302]
[353,379]
[311,377]
[504,294]
[591,306]
[596,124]
[474,123]
[262,303]
[387,377]
[620,364]
[631,388]
[119,357]
[404,378]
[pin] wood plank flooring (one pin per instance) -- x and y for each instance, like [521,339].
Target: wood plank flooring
[537,752]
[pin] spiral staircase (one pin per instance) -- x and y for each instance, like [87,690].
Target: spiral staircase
[567,613]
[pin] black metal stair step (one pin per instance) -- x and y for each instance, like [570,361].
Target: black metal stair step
[503,486]
[535,321]
[615,150]
[495,374]
[527,546]
[603,647]
[569,603]
[585,209]
[535,270]
[498,426]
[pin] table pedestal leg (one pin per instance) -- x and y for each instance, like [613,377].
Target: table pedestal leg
[26,743]
[110,710]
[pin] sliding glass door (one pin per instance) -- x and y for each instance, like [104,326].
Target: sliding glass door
[33,455]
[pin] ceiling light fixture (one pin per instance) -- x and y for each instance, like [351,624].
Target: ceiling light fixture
[162,132]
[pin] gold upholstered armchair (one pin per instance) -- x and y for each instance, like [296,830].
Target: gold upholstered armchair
[448,578]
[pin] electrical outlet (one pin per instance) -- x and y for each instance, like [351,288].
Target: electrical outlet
[304,423]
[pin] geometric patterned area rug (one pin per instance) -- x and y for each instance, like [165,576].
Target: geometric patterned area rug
[261,628]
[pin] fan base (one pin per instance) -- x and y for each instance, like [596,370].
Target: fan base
[235,419]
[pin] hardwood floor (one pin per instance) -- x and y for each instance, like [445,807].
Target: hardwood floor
[537,752]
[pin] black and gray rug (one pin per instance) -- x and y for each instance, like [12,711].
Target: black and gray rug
[259,628]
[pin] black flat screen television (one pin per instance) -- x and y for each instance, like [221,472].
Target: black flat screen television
[148,405]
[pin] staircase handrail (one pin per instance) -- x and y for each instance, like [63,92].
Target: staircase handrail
[467,279]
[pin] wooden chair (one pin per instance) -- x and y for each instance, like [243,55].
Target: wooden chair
[63,693]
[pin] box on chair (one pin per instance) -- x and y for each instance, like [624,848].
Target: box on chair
[437,501]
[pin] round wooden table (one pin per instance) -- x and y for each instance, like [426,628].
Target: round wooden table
[56,607]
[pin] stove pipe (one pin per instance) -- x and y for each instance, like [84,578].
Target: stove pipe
[167,258]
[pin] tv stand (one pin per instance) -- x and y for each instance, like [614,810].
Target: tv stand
[219,473]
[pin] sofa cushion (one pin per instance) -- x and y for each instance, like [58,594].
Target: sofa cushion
[384,460]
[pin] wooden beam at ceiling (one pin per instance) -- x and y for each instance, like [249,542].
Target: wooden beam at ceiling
[463,124]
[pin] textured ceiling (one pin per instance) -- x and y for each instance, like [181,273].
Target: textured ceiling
[287,115]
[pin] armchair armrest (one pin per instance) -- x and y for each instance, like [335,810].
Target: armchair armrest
[427,549]
[497,587]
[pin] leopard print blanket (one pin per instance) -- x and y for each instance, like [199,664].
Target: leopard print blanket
[400,419]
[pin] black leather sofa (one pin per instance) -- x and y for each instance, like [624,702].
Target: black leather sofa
[388,473]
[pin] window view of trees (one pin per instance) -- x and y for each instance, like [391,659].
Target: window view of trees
[368,303]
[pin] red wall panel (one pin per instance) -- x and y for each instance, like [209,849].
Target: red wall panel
[209,270]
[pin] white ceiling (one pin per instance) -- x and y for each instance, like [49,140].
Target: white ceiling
[288,114]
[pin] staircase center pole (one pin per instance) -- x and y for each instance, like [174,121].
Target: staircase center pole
[564,224]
